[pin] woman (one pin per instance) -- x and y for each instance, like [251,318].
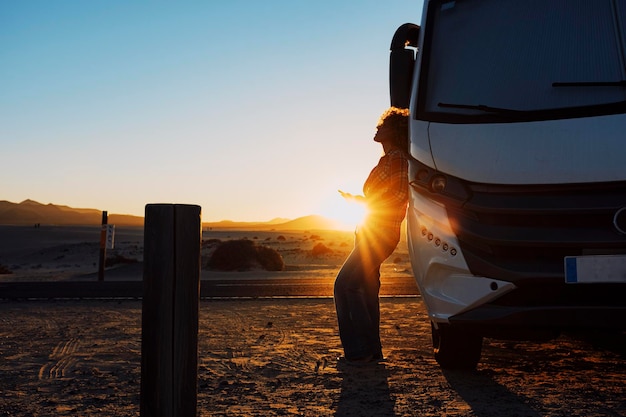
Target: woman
[358,282]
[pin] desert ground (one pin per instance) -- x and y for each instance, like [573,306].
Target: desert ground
[273,356]
[62,253]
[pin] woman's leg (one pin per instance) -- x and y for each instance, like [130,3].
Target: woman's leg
[353,308]
[380,245]
[372,290]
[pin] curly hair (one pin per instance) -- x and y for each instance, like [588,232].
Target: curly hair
[397,119]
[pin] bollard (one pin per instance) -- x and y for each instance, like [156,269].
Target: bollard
[103,250]
[171,283]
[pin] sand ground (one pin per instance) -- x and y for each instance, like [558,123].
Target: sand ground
[276,357]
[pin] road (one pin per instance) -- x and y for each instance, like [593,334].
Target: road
[297,287]
[267,287]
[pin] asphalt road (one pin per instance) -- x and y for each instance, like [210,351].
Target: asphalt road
[214,288]
[298,287]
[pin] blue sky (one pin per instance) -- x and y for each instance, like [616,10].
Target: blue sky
[252,110]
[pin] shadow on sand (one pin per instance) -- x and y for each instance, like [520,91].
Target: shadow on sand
[485,396]
[365,392]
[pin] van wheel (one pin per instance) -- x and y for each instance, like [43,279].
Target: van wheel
[456,348]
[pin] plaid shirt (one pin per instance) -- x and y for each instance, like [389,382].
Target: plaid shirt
[386,191]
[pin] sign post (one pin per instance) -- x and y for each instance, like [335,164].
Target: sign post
[103,246]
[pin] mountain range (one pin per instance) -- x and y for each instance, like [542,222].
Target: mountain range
[30,212]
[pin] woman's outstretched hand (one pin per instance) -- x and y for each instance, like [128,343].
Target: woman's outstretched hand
[352,197]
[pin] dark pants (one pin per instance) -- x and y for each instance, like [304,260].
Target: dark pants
[356,292]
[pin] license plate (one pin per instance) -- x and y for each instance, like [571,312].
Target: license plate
[595,269]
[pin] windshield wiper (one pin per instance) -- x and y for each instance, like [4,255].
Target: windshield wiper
[620,83]
[544,114]
[481,107]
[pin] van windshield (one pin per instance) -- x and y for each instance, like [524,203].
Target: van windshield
[508,60]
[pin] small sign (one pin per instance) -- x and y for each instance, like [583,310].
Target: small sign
[110,235]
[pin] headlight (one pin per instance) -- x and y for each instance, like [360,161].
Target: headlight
[437,185]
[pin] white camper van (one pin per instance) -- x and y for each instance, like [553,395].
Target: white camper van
[517,213]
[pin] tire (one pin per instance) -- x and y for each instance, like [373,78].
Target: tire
[456,348]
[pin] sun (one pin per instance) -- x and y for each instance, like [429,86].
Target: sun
[347,213]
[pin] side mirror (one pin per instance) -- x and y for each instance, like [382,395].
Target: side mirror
[402,63]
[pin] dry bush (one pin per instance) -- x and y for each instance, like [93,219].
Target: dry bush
[4,270]
[210,243]
[233,255]
[118,259]
[244,254]
[320,249]
[208,247]
[270,259]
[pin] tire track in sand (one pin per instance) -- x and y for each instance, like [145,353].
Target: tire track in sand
[62,360]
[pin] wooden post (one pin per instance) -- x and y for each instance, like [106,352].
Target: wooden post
[171,291]
[103,246]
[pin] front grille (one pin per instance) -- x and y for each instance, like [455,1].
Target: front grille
[522,233]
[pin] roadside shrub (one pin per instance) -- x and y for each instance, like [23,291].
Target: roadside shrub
[4,270]
[233,255]
[210,243]
[119,259]
[243,255]
[320,249]
[270,259]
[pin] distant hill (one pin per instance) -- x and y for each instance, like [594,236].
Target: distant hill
[312,222]
[30,212]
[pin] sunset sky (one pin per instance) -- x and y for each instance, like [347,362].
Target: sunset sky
[251,109]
